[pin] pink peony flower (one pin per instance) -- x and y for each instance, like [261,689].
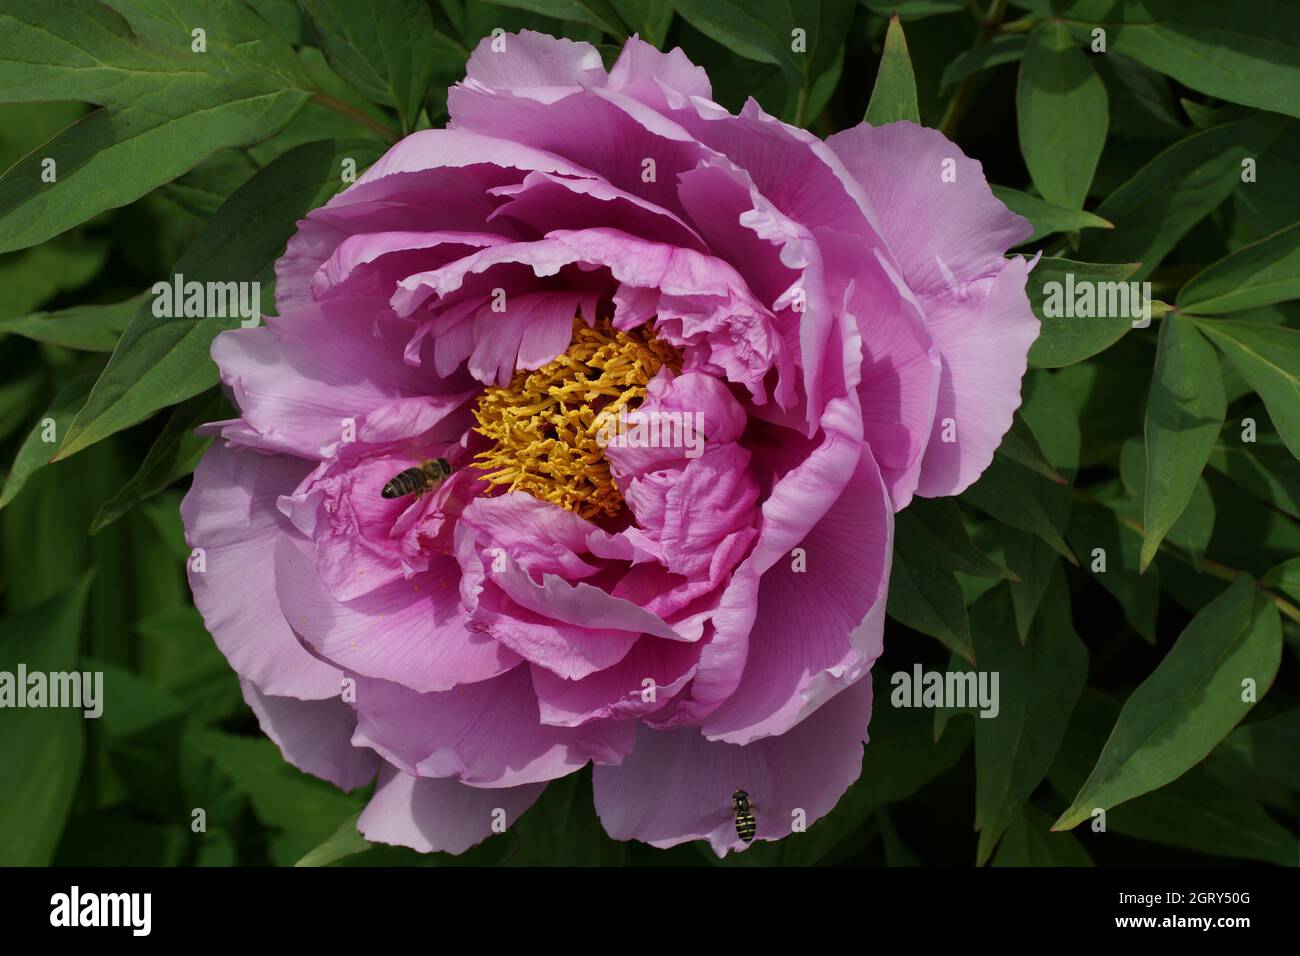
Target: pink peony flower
[693,619]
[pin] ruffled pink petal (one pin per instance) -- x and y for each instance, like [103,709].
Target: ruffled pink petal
[676,786]
[428,814]
[644,681]
[655,78]
[525,60]
[983,334]
[487,734]
[835,604]
[409,631]
[314,735]
[531,330]
[948,238]
[230,513]
[301,380]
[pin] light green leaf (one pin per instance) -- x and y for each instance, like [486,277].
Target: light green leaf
[893,98]
[1054,289]
[1195,812]
[1061,112]
[1014,495]
[1269,746]
[1189,703]
[1259,274]
[649,19]
[1046,217]
[1185,412]
[1268,357]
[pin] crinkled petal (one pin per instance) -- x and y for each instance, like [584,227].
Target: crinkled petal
[314,735]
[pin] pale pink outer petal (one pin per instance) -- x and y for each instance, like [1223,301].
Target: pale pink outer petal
[527,59]
[676,785]
[487,734]
[948,233]
[428,813]
[230,512]
[314,735]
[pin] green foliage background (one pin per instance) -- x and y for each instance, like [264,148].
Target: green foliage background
[1120,690]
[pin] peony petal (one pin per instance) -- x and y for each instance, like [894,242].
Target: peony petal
[410,632]
[525,60]
[676,786]
[230,512]
[429,814]
[314,735]
[487,734]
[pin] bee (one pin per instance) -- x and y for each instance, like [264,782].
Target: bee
[421,478]
[746,826]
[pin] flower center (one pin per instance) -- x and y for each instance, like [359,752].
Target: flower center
[543,426]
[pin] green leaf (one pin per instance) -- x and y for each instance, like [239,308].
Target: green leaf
[387,49]
[1189,703]
[35,451]
[929,600]
[1194,527]
[91,328]
[41,749]
[174,454]
[1250,55]
[162,361]
[1094,527]
[1001,48]
[1038,686]
[1069,338]
[1284,577]
[931,532]
[1029,841]
[1014,495]
[1061,110]
[1265,468]
[914,9]
[763,30]
[1020,445]
[1268,746]
[597,13]
[1185,413]
[1154,209]
[1046,217]
[1033,562]
[33,276]
[170,108]
[1259,274]
[1268,357]
[648,18]
[282,796]
[894,96]
[1195,812]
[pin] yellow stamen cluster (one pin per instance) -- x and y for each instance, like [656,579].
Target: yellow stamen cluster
[543,426]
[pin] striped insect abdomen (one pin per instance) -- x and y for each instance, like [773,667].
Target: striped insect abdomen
[746,826]
[406,483]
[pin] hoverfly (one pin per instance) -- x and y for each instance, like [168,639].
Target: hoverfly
[746,825]
[428,474]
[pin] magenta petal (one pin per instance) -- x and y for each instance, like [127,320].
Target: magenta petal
[230,513]
[429,814]
[676,785]
[527,59]
[314,735]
